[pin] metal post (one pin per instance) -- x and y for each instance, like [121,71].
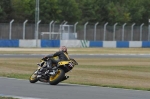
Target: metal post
[141,27]
[61,30]
[114,32]
[50,27]
[132,31]
[68,30]
[95,26]
[65,23]
[53,27]
[10,28]
[85,30]
[37,34]
[123,31]
[105,31]
[75,26]
[36,15]
[24,24]
[149,30]
[62,22]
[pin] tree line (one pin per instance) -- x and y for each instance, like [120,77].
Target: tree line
[102,11]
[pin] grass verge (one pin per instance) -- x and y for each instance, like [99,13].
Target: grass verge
[7,97]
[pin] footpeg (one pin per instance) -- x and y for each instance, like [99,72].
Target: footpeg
[52,73]
[38,76]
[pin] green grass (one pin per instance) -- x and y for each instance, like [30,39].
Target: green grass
[128,68]
[13,75]
[7,97]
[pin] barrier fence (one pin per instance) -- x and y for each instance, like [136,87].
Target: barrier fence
[87,31]
[74,43]
[74,35]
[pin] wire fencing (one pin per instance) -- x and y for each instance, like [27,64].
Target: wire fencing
[59,31]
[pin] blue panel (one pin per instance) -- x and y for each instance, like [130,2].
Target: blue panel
[50,43]
[122,44]
[145,44]
[96,44]
[9,43]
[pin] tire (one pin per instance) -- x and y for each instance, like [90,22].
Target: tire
[54,80]
[33,78]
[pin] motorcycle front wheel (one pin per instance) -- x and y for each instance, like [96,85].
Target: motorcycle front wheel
[54,80]
[33,78]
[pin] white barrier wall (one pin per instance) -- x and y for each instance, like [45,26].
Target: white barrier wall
[74,43]
[135,44]
[111,44]
[29,43]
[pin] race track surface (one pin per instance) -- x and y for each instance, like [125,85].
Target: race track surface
[78,55]
[26,90]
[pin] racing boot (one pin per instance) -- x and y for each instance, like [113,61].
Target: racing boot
[51,70]
[41,72]
[65,78]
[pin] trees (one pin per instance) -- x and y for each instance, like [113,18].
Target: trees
[146,12]
[23,9]
[89,10]
[122,11]
[57,10]
[49,10]
[69,11]
[117,12]
[5,10]
[136,10]
[101,11]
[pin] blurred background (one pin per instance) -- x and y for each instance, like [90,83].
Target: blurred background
[96,20]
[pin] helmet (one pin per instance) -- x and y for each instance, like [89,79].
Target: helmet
[63,48]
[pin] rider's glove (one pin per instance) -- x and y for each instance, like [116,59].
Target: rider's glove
[44,58]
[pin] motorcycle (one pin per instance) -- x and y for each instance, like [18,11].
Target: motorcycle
[54,76]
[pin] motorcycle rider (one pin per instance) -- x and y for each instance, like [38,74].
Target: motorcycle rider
[62,56]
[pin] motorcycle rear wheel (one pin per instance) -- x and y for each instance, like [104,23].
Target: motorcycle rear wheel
[33,78]
[54,80]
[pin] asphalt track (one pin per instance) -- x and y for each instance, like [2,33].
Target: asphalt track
[25,90]
[78,55]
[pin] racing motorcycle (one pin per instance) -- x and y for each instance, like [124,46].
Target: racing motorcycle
[55,75]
